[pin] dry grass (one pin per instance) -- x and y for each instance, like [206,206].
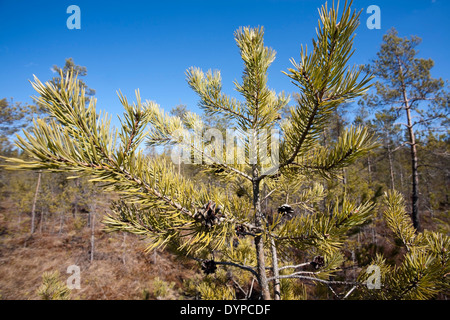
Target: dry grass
[120,269]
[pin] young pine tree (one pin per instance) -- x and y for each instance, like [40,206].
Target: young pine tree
[216,225]
[52,288]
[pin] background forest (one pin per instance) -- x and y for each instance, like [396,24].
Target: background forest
[49,221]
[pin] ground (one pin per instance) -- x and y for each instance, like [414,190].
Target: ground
[120,269]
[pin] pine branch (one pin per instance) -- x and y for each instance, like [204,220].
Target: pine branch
[208,87]
[324,80]
[221,164]
[227,263]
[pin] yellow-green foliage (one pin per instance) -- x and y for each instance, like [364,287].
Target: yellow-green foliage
[291,290]
[162,288]
[213,223]
[423,272]
[53,288]
[216,287]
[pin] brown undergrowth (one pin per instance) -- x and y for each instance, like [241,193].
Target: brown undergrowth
[120,268]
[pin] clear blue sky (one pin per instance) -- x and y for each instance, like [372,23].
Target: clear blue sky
[149,44]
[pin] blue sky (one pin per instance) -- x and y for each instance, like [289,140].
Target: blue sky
[149,45]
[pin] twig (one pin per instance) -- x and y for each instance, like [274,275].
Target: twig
[251,288]
[240,288]
[268,195]
[334,292]
[296,266]
[349,292]
[226,263]
[247,268]
[225,166]
[297,275]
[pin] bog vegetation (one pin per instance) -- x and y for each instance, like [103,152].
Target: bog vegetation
[336,205]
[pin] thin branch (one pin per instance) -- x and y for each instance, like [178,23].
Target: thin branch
[349,292]
[220,107]
[243,267]
[399,147]
[269,194]
[332,290]
[132,136]
[226,263]
[295,266]
[239,287]
[242,174]
[150,189]
[251,288]
[298,276]
[293,275]
[302,137]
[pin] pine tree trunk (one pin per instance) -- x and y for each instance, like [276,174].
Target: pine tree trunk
[124,247]
[41,221]
[402,185]
[391,167]
[276,272]
[33,208]
[415,174]
[414,159]
[259,244]
[369,169]
[427,186]
[61,222]
[92,237]
[77,185]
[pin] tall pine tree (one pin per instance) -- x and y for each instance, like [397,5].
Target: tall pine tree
[405,88]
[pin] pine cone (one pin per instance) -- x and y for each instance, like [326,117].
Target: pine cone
[318,262]
[209,214]
[209,266]
[240,192]
[286,209]
[241,230]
